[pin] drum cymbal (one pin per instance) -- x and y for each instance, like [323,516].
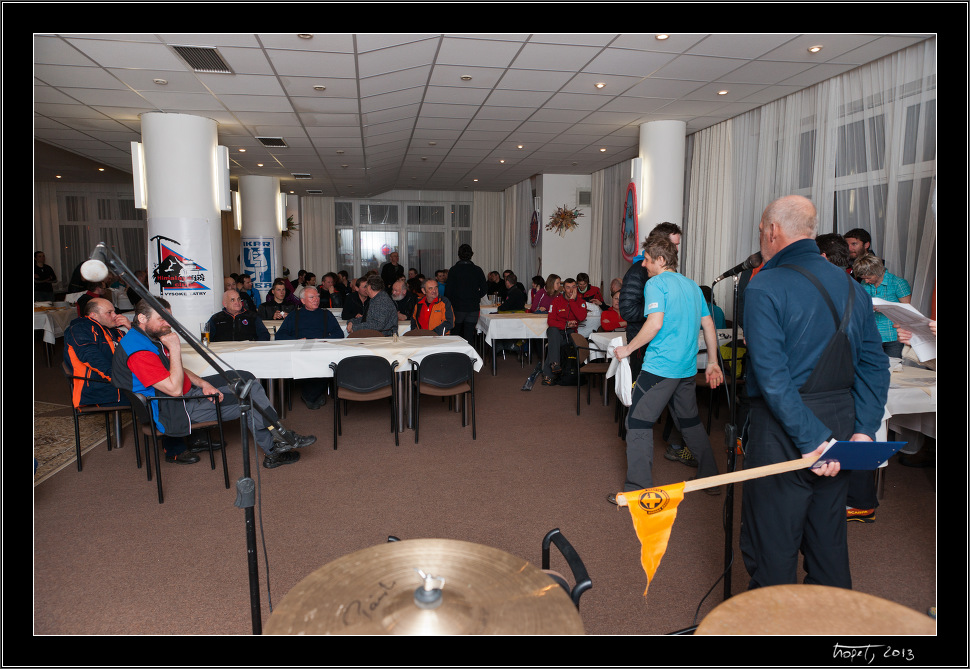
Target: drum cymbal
[426,586]
[812,609]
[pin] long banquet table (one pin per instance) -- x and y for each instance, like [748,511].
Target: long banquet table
[311,358]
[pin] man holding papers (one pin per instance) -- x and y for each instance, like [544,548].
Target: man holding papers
[816,371]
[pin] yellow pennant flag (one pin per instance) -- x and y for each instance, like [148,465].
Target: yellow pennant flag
[653,511]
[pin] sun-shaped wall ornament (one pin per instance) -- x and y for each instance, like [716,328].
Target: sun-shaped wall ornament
[563,220]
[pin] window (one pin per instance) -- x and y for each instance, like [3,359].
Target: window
[426,237]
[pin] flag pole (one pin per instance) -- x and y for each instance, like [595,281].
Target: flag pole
[735,477]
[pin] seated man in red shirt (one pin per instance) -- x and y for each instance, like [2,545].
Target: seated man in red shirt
[433,312]
[567,312]
[148,361]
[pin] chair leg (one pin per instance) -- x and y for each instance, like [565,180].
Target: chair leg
[158,468]
[417,411]
[134,436]
[336,419]
[472,398]
[77,440]
[107,429]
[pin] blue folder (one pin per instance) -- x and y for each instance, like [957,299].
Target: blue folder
[864,455]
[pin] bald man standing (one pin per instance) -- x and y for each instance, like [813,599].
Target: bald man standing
[816,371]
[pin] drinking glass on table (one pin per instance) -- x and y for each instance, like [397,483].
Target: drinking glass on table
[205,333]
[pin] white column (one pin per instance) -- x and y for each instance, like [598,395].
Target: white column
[260,235]
[660,193]
[184,178]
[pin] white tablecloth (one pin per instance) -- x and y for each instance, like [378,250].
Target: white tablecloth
[311,358]
[53,322]
[911,406]
[497,326]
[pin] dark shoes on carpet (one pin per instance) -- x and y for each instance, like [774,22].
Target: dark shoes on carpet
[197,443]
[299,441]
[611,498]
[183,458]
[681,455]
[713,491]
[313,405]
[279,458]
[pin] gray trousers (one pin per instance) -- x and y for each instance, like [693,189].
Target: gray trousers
[650,396]
[205,410]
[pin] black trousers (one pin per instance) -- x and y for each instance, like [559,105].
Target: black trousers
[796,512]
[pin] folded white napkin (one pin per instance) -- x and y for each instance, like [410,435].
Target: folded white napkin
[621,370]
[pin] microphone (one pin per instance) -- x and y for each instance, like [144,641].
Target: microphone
[94,269]
[752,261]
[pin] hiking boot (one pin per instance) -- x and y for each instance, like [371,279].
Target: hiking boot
[278,458]
[299,441]
[183,458]
[860,515]
[681,455]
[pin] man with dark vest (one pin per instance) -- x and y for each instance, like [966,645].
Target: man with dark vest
[816,371]
[148,361]
[276,306]
[235,322]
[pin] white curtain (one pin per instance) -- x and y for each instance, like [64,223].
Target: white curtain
[319,234]
[46,226]
[606,254]
[488,213]
[860,145]
[708,241]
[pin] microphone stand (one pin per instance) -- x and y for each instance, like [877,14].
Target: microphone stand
[730,437]
[245,486]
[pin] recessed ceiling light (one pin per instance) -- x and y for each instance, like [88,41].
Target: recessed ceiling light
[432,143]
[466,77]
[259,164]
[502,160]
[319,87]
[242,150]
[340,152]
[662,37]
[723,92]
[603,150]
[101,169]
[57,176]
[160,82]
[815,49]
[520,146]
[599,84]
[305,36]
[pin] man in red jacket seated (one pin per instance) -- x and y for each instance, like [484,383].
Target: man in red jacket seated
[591,294]
[567,312]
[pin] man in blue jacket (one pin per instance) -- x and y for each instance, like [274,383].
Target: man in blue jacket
[807,384]
[89,344]
[311,322]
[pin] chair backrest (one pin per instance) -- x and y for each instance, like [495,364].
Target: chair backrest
[364,333]
[140,406]
[363,373]
[580,575]
[582,347]
[420,333]
[444,370]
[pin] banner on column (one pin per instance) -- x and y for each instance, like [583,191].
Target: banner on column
[258,259]
[182,257]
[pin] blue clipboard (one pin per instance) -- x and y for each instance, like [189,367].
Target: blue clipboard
[859,455]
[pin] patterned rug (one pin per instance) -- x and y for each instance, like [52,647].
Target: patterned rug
[54,437]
